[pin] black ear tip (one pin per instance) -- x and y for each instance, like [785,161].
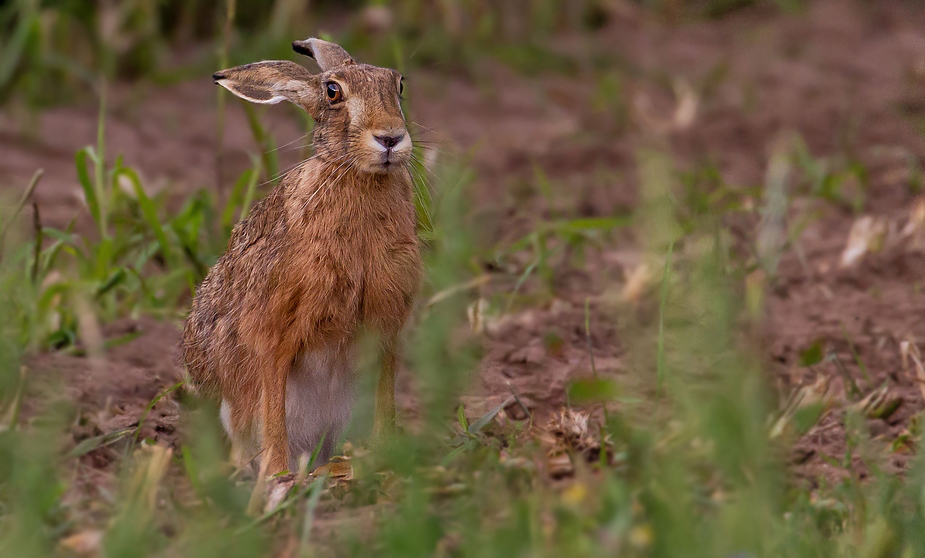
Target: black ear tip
[302,48]
[218,76]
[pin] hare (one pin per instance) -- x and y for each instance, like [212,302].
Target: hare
[330,251]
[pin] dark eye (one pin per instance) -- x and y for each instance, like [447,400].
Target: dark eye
[401,86]
[335,95]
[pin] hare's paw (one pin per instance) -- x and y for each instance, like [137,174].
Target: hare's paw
[277,489]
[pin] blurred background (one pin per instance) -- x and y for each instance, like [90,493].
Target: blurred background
[674,306]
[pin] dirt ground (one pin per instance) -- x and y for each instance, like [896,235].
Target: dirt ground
[846,76]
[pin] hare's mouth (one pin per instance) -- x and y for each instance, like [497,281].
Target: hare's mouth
[388,164]
[388,160]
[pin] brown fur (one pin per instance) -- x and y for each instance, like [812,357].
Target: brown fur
[329,251]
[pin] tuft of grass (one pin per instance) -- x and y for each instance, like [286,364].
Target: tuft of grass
[139,258]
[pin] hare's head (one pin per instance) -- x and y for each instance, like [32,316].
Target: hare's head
[356,107]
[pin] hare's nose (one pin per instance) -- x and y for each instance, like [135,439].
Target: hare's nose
[390,141]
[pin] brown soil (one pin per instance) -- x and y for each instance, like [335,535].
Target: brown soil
[846,76]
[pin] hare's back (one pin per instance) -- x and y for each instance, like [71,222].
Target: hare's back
[232,290]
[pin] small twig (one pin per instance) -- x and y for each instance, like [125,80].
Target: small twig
[588,335]
[449,291]
[37,250]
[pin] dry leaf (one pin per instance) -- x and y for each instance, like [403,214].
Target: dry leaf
[916,218]
[816,393]
[913,233]
[867,235]
[568,431]
[338,468]
[878,403]
[637,282]
[85,543]
[476,315]
[910,355]
[686,111]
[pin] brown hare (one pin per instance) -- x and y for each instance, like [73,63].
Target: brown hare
[331,250]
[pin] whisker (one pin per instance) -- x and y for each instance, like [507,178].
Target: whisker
[284,173]
[423,164]
[300,138]
[440,151]
[425,128]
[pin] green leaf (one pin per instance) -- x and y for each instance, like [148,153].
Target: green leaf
[148,211]
[807,417]
[114,279]
[813,354]
[483,420]
[14,49]
[90,444]
[83,176]
[461,417]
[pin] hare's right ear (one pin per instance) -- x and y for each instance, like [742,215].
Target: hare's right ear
[273,81]
[327,55]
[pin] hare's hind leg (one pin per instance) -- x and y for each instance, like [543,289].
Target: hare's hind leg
[244,445]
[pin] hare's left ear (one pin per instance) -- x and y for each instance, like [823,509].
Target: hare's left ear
[327,55]
[272,81]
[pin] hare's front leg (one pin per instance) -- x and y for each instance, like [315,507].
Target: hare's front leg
[273,413]
[384,419]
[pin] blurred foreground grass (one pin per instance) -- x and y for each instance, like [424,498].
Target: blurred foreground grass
[686,456]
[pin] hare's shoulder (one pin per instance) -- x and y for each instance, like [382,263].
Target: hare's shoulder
[263,225]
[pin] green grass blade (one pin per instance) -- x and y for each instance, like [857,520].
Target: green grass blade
[14,49]
[661,365]
[19,205]
[148,212]
[90,444]
[313,498]
[86,184]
